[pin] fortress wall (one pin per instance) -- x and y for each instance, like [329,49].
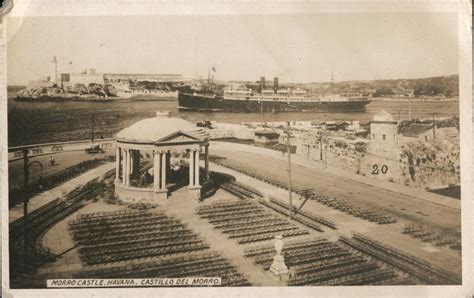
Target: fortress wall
[432,164]
[417,164]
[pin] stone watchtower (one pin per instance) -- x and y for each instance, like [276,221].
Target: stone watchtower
[384,130]
[383,150]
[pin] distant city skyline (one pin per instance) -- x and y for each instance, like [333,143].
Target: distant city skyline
[296,48]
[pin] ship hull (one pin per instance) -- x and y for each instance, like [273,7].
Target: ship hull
[197,102]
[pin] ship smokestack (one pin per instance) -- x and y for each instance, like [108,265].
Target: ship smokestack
[275,84]
[262,84]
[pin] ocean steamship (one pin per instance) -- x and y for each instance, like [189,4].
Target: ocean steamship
[242,99]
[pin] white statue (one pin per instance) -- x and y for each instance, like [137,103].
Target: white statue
[278,266]
[278,244]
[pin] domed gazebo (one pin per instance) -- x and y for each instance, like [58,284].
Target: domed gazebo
[150,150]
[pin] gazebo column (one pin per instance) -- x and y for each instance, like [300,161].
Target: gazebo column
[194,189]
[129,166]
[191,167]
[126,168]
[196,168]
[132,159]
[117,164]
[159,180]
[168,163]
[206,161]
[156,170]
[164,166]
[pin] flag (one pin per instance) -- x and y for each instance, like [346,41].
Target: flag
[213,69]
[70,62]
[54,60]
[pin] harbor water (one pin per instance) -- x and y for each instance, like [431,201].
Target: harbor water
[41,122]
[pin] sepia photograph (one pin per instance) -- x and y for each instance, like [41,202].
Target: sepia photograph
[234,150]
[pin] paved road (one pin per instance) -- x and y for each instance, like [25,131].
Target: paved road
[401,205]
[59,191]
[62,161]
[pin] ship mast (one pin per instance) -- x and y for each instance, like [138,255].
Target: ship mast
[332,77]
[195,59]
[332,74]
[208,75]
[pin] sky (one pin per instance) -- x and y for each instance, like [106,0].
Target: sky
[296,48]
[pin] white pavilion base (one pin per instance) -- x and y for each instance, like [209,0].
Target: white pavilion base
[131,194]
[278,266]
[161,195]
[194,192]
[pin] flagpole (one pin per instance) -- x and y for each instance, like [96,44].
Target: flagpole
[55,69]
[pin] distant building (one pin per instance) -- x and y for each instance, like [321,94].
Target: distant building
[401,92]
[428,132]
[417,131]
[118,77]
[337,125]
[86,77]
[91,76]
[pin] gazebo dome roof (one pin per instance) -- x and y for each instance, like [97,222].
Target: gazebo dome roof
[152,130]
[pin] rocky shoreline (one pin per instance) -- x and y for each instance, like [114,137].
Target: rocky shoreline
[97,93]
[91,98]
[66,98]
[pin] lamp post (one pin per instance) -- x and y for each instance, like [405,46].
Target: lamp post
[92,128]
[26,177]
[288,151]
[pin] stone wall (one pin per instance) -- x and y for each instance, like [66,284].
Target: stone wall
[430,164]
[337,152]
[416,164]
[342,154]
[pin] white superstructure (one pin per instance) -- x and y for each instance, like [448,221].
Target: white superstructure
[288,95]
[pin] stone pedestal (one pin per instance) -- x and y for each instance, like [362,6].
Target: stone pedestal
[278,266]
[194,192]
